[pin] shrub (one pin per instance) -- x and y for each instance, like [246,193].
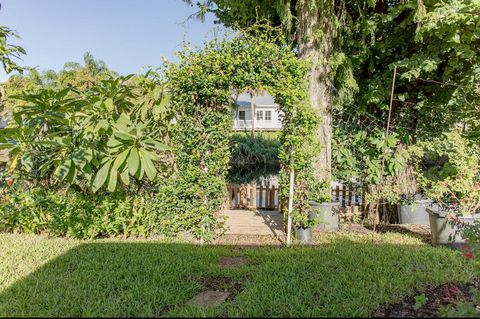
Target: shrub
[449,172]
[76,215]
[260,149]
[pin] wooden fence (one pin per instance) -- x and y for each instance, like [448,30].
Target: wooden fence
[351,203]
[251,196]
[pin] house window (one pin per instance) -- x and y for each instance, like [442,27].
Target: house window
[241,115]
[268,115]
[259,115]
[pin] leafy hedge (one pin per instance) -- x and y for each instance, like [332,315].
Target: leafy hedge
[77,215]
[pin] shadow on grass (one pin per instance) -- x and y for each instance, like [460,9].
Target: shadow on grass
[343,278]
[421,232]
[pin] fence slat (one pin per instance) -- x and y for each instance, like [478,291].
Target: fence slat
[260,197]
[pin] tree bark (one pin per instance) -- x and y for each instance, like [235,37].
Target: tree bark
[315,44]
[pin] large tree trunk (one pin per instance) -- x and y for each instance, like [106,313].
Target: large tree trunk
[315,44]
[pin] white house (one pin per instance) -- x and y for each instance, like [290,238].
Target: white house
[267,116]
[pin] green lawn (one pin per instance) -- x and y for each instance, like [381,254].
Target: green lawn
[346,275]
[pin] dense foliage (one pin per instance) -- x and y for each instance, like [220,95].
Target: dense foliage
[90,162]
[435,47]
[449,172]
[88,139]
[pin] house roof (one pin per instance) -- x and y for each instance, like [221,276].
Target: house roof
[259,100]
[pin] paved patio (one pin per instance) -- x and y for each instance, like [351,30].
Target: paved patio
[257,222]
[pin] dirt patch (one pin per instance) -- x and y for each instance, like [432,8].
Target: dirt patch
[225,284]
[232,262]
[209,298]
[354,228]
[437,297]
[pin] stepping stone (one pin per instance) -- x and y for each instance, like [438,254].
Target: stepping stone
[209,298]
[232,262]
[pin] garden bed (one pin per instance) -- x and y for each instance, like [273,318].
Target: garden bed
[431,301]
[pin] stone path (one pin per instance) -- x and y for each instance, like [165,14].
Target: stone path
[259,222]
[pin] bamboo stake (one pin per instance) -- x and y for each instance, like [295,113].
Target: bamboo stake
[377,216]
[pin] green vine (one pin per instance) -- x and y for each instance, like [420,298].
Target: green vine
[201,86]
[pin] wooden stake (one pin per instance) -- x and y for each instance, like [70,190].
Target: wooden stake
[290,208]
[377,217]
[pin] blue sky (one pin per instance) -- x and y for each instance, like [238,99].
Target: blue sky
[126,34]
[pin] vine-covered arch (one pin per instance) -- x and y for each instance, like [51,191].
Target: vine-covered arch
[201,85]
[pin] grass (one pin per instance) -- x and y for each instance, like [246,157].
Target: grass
[345,275]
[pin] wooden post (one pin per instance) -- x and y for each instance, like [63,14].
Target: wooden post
[337,193]
[279,207]
[260,205]
[344,195]
[272,197]
[254,196]
[377,216]
[235,192]
[266,197]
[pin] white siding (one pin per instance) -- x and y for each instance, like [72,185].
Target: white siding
[273,124]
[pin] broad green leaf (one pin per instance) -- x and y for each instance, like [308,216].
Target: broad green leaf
[125,176]
[147,165]
[112,179]
[150,155]
[133,162]
[121,159]
[101,176]
[123,136]
[62,170]
[114,143]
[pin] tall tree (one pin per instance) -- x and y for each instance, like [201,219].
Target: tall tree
[313,26]
[353,46]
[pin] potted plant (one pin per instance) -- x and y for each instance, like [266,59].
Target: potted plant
[322,209]
[304,225]
[451,177]
[303,219]
[412,209]
[410,199]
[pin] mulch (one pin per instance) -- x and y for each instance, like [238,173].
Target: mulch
[437,297]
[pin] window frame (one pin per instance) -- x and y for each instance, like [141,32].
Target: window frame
[269,112]
[259,115]
[240,113]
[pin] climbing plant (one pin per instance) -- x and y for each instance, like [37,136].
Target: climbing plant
[201,85]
